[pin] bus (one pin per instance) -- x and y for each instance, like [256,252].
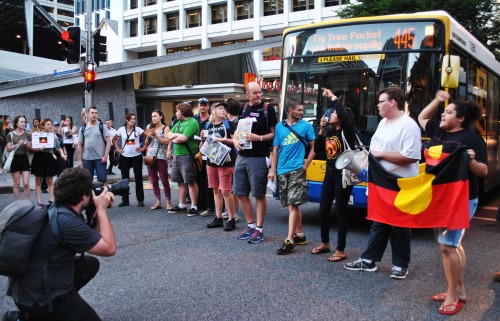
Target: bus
[421,53]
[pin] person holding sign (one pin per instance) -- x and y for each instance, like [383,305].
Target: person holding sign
[19,141]
[44,160]
[220,169]
[130,156]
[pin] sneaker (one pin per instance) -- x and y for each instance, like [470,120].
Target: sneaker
[361,265]
[287,248]
[217,222]
[236,218]
[398,272]
[230,225]
[246,233]
[192,212]
[140,204]
[177,209]
[207,212]
[256,237]
[225,215]
[299,240]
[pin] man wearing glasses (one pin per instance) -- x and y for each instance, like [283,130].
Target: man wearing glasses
[396,145]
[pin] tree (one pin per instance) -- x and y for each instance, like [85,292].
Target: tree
[480,17]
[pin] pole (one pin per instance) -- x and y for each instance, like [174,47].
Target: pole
[89,55]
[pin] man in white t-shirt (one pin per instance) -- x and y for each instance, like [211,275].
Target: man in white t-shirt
[112,133]
[397,146]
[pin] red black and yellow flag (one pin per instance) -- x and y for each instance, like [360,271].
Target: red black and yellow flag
[438,197]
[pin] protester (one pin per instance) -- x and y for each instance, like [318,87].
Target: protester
[396,144]
[69,134]
[61,163]
[49,290]
[45,163]
[183,163]
[20,139]
[206,204]
[94,145]
[250,172]
[112,154]
[220,176]
[130,156]
[454,130]
[293,137]
[330,143]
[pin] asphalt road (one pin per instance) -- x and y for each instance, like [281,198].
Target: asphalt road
[170,267]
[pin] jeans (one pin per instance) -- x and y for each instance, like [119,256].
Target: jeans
[380,234]
[99,168]
[69,306]
[205,194]
[332,189]
[126,163]
[161,166]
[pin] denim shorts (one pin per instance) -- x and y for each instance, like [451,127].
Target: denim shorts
[454,237]
[250,174]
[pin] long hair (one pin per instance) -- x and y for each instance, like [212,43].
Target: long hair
[162,119]
[71,122]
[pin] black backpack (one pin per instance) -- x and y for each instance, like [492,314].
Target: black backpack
[20,225]
[101,129]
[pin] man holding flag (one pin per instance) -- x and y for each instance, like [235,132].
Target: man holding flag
[396,144]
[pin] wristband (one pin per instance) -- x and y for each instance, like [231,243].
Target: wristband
[260,138]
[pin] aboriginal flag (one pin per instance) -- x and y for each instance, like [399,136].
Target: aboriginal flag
[438,197]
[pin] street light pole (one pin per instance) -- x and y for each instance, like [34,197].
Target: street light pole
[89,54]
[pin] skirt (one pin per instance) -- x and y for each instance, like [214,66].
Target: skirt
[20,163]
[43,165]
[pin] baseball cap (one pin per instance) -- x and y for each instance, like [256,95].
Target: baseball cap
[215,105]
[203,100]
[55,124]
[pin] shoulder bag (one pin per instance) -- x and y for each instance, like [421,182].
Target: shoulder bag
[360,154]
[10,156]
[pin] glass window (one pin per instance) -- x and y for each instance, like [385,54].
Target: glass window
[271,54]
[149,25]
[219,14]
[133,25]
[182,49]
[273,7]
[301,5]
[149,2]
[97,18]
[133,4]
[108,14]
[193,18]
[243,10]
[332,3]
[172,21]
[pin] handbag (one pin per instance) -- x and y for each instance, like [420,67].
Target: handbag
[9,157]
[151,160]
[197,159]
[360,154]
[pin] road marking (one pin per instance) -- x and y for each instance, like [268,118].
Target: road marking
[485,219]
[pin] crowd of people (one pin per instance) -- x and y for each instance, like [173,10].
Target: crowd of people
[218,185]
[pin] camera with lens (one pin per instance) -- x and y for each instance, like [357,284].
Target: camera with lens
[119,188]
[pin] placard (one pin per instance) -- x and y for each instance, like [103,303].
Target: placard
[244,128]
[40,139]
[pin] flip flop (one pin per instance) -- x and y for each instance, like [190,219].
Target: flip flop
[156,207]
[337,258]
[440,297]
[318,250]
[458,305]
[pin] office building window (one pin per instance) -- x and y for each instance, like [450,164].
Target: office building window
[243,10]
[193,18]
[273,7]
[108,14]
[97,18]
[133,26]
[332,3]
[219,14]
[182,49]
[149,2]
[230,42]
[271,54]
[133,4]
[301,5]
[149,25]
[172,21]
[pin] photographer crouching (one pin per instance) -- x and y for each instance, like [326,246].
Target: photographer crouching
[49,289]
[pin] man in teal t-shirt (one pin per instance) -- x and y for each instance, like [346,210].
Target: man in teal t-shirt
[183,167]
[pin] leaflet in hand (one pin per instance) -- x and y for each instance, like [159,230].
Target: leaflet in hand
[245,128]
[215,151]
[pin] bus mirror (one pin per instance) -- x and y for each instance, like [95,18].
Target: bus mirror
[450,71]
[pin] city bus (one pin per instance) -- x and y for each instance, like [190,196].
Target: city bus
[421,53]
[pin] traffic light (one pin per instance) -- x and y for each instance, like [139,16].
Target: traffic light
[100,47]
[89,76]
[71,45]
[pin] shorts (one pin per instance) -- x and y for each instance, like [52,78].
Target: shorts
[293,187]
[220,177]
[183,169]
[20,163]
[454,237]
[250,174]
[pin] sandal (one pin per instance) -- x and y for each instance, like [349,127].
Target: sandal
[156,207]
[445,309]
[337,258]
[440,297]
[318,250]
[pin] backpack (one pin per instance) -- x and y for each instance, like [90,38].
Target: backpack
[101,129]
[20,225]
[266,105]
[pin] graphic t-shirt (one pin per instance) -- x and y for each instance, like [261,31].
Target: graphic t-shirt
[220,130]
[260,127]
[129,141]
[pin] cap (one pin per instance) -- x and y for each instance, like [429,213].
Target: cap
[55,124]
[203,100]
[215,105]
